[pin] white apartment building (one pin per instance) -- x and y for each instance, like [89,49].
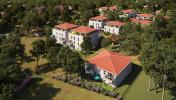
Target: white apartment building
[61,32]
[98,22]
[113,27]
[77,35]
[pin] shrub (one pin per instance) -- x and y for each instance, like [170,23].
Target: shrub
[77,81]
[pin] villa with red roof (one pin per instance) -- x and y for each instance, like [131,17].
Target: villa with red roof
[142,22]
[107,8]
[112,67]
[61,31]
[113,27]
[144,16]
[128,13]
[77,34]
[72,35]
[98,22]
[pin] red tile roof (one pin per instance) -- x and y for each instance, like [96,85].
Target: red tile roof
[66,26]
[109,8]
[128,11]
[113,8]
[145,15]
[99,18]
[110,61]
[143,22]
[84,29]
[115,23]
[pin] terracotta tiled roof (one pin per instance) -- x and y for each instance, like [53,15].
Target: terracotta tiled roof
[113,8]
[115,23]
[143,22]
[109,8]
[66,26]
[83,30]
[145,15]
[99,18]
[110,61]
[128,11]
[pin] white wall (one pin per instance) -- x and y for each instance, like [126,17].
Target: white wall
[97,24]
[111,29]
[121,77]
[143,18]
[118,79]
[60,35]
[76,40]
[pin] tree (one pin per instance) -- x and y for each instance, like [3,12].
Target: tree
[106,42]
[86,45]
[70,61]
[11,73]
[51,54]
[158,60]
[50,42]
[38,49]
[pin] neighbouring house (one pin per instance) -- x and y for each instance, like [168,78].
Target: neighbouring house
[98,22]
[76,36]
[144,17]
[110,8]
[143,23]
[128,13]
[113,27]
[112,67]
[61,32]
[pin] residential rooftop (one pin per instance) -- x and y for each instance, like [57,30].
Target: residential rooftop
[115,23]
[84,30]
[143,22]
[128,11]
[66,26]
[145,15]
[102,18]
[110,61]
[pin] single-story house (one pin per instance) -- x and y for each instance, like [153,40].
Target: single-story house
[112,67]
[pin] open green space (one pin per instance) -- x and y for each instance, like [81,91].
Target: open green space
[44,87]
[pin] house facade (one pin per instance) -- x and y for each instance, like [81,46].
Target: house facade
[98,22]
[76,36]
[112,67]
[113,27]
[72,35]
[61,32]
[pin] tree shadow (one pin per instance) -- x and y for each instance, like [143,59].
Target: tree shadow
[173,93]
[37,91]
[28,59]
[44,68]
[136,70]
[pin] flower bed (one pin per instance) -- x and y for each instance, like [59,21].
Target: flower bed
[77,81]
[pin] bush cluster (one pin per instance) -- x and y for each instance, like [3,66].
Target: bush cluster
[77,81]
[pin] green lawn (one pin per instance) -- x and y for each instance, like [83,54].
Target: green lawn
[44,87]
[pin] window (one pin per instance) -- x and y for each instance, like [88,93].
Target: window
[104,72]
[110,76]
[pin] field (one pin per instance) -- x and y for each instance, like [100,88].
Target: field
[43,87]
